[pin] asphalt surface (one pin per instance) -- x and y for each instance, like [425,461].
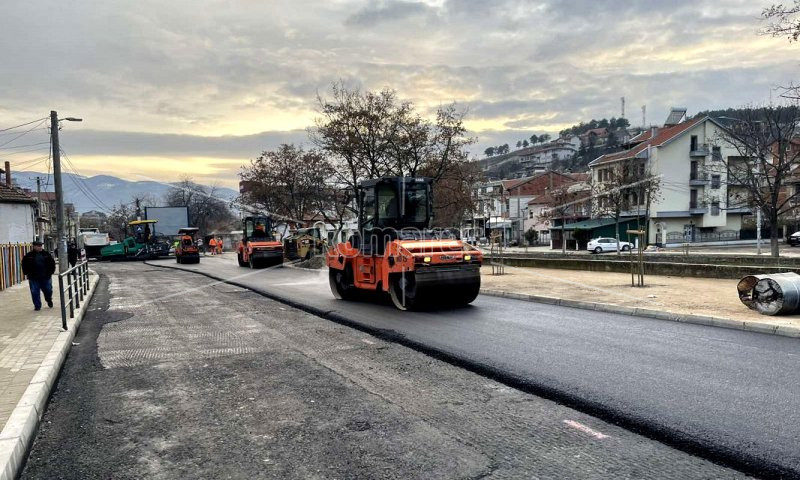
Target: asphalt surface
[727,395]
[175,376]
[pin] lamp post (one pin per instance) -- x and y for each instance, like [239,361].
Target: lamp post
[60,233]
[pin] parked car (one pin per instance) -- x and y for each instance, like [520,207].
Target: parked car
[794,239]
[605,244]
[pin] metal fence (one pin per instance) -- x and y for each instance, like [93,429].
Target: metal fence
[11,263]
[74,287]
[722,236]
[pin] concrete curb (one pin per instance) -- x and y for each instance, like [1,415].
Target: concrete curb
[20,429]
[650,313]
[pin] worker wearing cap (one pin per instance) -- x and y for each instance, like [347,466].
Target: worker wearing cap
[38,265]
[212,244]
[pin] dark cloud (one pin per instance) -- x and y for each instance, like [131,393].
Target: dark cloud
[388,11]
[187,74]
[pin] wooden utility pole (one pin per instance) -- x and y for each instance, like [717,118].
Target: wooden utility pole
[39,205]
[61,239]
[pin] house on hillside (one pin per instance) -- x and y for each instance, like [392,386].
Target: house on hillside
[693,205]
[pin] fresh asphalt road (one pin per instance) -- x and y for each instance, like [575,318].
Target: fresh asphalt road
[730,395]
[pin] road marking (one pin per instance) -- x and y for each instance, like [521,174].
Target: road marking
[583,428]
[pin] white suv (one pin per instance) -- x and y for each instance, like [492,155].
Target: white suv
[605,244]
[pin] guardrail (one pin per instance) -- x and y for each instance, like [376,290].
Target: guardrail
[11,263]
[77,287]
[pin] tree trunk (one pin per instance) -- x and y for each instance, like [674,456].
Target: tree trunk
[616,223]
[563,238]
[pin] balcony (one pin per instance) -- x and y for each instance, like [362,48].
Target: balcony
[698,178]
[698,208]
[698,150]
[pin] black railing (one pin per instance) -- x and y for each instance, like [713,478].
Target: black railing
[722,236]
[76,281]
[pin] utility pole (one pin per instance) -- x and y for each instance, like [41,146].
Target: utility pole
[39,205]
[61,239]
[138,210]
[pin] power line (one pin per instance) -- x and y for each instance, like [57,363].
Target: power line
[23,124]
[22,134]
[27,145]
[78,181]
[40,149]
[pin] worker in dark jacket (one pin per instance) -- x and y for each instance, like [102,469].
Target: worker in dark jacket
[39,266]
[72,254]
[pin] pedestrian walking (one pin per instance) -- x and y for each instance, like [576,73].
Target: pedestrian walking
[200,246]
[39,266]
[212,245]
[72,254]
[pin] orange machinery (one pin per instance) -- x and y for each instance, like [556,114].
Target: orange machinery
[258,247]
[395,251]
[187,251]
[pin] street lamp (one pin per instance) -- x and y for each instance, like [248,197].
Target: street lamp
[60,233]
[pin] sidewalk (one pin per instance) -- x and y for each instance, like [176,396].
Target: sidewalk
[681,296]
[26,336]
[32,349]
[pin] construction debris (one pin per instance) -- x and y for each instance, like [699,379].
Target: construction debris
[771,294]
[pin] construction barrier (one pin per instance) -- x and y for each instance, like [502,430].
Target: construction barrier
[11,263]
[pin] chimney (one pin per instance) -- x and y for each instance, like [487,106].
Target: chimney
[653,132]
[8,173]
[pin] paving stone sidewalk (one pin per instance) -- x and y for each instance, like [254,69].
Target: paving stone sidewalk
[26,336]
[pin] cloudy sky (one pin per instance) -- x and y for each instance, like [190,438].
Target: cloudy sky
[173,87]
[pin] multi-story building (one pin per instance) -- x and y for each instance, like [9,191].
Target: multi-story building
[687,159]
[502,205]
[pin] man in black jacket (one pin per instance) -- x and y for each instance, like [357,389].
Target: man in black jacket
[39,266]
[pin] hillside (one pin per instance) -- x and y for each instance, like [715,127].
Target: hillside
[107,189]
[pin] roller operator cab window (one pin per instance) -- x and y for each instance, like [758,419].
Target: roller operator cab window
[416,203]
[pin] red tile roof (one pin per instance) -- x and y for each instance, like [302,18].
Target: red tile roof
[662,135]
[14,195]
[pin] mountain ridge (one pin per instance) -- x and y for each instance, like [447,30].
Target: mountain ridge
[105,191]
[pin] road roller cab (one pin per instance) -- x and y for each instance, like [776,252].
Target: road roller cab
[396,251]
[186,250]
[258,248]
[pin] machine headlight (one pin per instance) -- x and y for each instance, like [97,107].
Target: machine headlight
[467,257]
[427,259]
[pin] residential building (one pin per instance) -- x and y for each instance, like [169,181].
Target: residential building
[17,212]
[502,205]
[685,155]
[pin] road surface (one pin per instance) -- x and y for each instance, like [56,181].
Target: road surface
[727,395]
[219,382]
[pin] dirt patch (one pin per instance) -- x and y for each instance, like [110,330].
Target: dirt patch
[314,262]
[683,295]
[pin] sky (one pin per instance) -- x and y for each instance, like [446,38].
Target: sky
[198,87]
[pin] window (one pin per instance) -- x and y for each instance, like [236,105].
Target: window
[715,208]
[716,153]
[715,181]
[693,143]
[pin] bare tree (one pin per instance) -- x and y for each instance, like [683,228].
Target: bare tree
[207,211]
[761,175]
[289,182]
[625,186]
[369,135]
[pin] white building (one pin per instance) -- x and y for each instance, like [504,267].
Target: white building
[17,220]
[693,202]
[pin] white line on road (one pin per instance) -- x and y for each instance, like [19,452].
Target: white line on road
[583,428]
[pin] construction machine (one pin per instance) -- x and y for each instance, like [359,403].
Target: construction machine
[186,250]
[258,248]
[141,243]
[396,251]
[304,244]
